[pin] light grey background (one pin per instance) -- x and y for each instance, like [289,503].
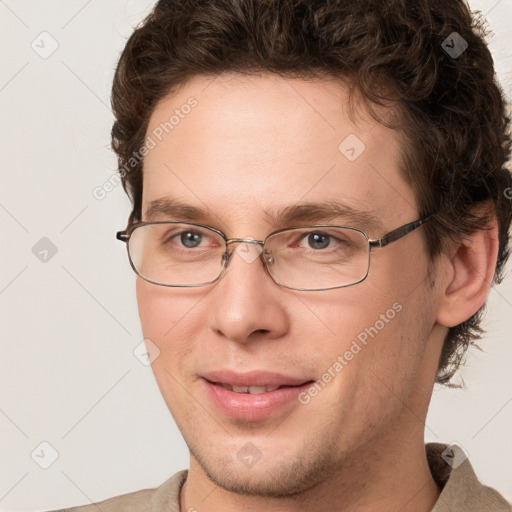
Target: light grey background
[68,375]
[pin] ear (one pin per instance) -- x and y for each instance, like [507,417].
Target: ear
[470,272]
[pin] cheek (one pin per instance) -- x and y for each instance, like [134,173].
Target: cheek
[171,319]
[360,313]
[162,309]
[153,313]
[379,328]
[163,316]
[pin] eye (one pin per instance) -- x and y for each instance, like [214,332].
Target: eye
[319,240]
[187,238]
[190,239]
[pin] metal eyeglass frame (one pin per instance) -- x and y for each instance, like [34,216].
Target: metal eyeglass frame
[373,243]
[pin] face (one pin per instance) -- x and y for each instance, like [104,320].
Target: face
[353,362]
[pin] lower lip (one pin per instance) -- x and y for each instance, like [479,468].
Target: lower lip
[249,407]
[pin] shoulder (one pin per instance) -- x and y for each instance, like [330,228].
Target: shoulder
[133,501]
[159,499]
[461,489]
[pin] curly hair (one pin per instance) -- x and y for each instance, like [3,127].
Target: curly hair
[452,111]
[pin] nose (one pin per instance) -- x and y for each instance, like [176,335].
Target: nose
[246,304]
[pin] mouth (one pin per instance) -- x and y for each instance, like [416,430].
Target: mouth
[256,390]
[253,396]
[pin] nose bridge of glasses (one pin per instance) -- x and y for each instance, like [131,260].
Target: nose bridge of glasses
[265,255]
[230,241]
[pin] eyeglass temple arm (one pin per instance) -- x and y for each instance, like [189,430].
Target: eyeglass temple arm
[397,233]
[123,236]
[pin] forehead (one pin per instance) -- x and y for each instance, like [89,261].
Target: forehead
[243,147]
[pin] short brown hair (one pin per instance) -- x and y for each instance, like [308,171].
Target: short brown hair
[453,113]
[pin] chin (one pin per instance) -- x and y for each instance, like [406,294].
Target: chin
[279,477]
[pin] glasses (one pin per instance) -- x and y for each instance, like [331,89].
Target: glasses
[307,258]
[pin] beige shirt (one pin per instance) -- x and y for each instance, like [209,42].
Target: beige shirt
[461,492]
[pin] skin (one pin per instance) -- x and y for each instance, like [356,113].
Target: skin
[255,143]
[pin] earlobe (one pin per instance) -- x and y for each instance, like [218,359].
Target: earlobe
[469,277]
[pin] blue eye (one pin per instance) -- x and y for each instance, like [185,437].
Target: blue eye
[319,240]
[190,239]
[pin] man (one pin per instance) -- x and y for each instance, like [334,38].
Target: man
[319,211]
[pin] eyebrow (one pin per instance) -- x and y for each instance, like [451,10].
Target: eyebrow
[308,212]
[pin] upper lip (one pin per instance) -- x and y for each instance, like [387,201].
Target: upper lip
[253,378]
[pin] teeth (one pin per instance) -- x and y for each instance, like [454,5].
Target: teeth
[253,390]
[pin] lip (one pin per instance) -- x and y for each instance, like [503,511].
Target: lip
[254,378]
[252,407]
